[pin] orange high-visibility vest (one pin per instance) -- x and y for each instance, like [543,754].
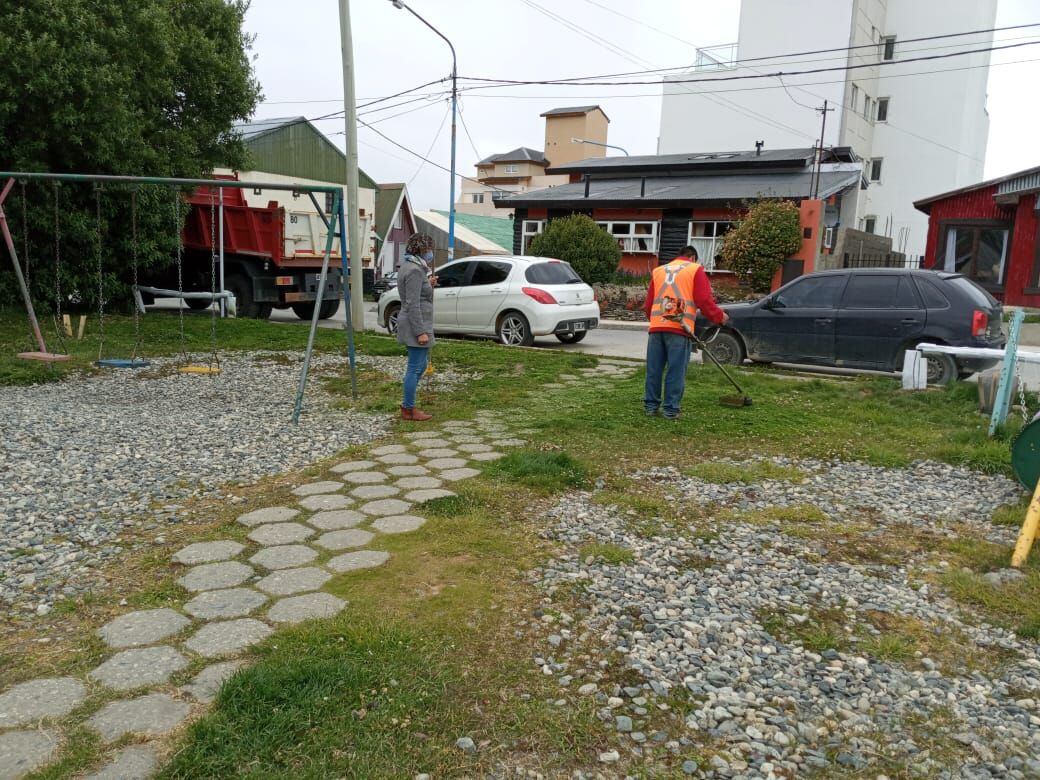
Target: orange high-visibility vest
[674,280]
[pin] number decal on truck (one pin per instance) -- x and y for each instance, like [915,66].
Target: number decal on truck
[292,219]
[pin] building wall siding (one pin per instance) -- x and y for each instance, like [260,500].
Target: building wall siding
[300,150]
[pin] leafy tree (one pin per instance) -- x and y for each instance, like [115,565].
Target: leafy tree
[592,252]
[769,232]
[109,86]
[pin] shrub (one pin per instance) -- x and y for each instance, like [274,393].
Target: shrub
[758,244]
[576,239]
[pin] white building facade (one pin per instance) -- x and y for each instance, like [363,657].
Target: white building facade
[919,125]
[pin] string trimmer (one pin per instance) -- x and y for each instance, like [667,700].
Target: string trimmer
[674,309]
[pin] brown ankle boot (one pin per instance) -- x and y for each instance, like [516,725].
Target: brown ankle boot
[420,416]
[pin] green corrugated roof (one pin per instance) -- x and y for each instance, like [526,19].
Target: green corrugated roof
[386,203]
[496,229]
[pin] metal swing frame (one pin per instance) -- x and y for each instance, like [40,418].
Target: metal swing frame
[337,217]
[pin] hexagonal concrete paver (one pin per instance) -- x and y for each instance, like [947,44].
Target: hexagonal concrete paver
[134,762]
[314,488]
[353,465]
[23,751]
[230,603]
[213,576]
[427,444]
[466,438]
[454,475]
[415,483]
[368,492]
[206,684]
[271,514]
[365,477]
[326,502]
[340,518]
[399,459]
[363,559]
[428,494]
[389,449]
[398,524]
[343,540]
[417,435]
[289,581]
[280,533]
[227,637]
[207,552]
[310,606]
[475,447]
[455,424]
[486,456]
[50,697]
[386,506]
[510,442]
[139,667]
[438,452]
[440,464]
[284,556]
[145,627]
[407,471]
[150,716]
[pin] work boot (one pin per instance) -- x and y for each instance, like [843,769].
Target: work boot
[415,415]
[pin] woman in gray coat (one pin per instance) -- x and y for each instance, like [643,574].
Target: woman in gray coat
[415,320]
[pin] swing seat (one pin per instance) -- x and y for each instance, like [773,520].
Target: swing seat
[45,357]
[122,363]
[199,369]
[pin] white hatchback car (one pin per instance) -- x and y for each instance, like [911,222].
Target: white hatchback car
[511,298]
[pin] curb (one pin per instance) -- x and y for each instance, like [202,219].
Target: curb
[623,325]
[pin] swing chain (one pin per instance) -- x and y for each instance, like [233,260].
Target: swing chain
[180,272]
[59,321]
[214,359]
[1021,392]
[100,271]
[25,257]
[134,262]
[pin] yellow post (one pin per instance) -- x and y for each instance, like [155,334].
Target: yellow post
[1028,532]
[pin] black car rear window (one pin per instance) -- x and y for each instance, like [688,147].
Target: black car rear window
[878,291]
[978,296]
[933,296]
[551,273]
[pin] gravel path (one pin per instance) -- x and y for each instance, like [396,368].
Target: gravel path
[85,458]
[702,618]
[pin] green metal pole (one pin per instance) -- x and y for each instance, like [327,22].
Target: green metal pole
[317,306]
[1007,372]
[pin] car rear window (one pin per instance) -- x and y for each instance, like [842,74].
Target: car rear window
[933,296]
[551,273]
[977,295]
[879,291]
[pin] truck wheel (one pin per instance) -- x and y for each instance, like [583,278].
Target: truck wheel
[197,304]
[305,311]
[242,288]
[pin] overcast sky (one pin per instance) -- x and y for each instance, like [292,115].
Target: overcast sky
[298,63]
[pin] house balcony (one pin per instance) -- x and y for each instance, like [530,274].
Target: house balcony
[721,57]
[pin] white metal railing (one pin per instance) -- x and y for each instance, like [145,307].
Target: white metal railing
[719,57]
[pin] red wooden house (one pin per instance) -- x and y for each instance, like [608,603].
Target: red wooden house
[990,232]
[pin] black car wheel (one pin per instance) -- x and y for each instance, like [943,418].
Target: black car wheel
[572,338]
[727,349]
[942,369]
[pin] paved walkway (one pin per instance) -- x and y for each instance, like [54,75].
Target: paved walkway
[237,595]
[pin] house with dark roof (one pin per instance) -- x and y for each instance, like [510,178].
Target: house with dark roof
[292,149]
[395,222]
[654,205]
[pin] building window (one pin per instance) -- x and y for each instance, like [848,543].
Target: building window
[706,238]
[888,47]
[397,220]
[875,169]
[854,102]
[869,224]
[512,168]
[478,197]
[828,237]
[977,251]
[528,230]
[866,106]
[882,110]
[633,237]
[328,203]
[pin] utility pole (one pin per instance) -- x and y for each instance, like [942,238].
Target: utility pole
[357,302]
[819,152]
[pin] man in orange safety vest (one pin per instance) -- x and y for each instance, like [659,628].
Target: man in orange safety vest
[677,291]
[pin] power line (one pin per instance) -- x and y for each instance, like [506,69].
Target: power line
[433,143]
[462,117]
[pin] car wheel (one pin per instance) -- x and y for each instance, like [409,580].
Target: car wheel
[392,313]
[727,349]
[514,330]
[572,338]
[942,370]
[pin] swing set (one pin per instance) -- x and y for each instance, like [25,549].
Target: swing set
[133,184]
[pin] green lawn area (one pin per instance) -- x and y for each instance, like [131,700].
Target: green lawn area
[427,651]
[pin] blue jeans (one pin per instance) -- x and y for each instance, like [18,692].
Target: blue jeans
[418,357]
[667,357]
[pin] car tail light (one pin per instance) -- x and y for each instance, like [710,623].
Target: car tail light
[979,322]
[539,295]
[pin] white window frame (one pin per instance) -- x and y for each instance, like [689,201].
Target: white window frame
[512,168]
[707,259]
[869,218]
[866,106]
[528,230]
[855,98]
[478,197]
[828,238]
[628,242]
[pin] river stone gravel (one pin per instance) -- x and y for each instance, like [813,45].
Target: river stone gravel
[686,616]
[87,459]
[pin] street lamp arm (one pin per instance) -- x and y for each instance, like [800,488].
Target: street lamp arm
[597,143]
[408,8]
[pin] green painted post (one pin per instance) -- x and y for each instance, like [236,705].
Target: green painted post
[1007,373]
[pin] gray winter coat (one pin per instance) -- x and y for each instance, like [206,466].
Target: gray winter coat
[416,314]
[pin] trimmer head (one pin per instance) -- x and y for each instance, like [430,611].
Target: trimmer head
[735,400]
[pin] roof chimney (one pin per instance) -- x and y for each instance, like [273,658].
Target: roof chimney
[758,148]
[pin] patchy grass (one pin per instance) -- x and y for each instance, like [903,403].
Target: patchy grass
[549,471]
[1014,605]
[721,472]
[1011,514]
[613,554]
